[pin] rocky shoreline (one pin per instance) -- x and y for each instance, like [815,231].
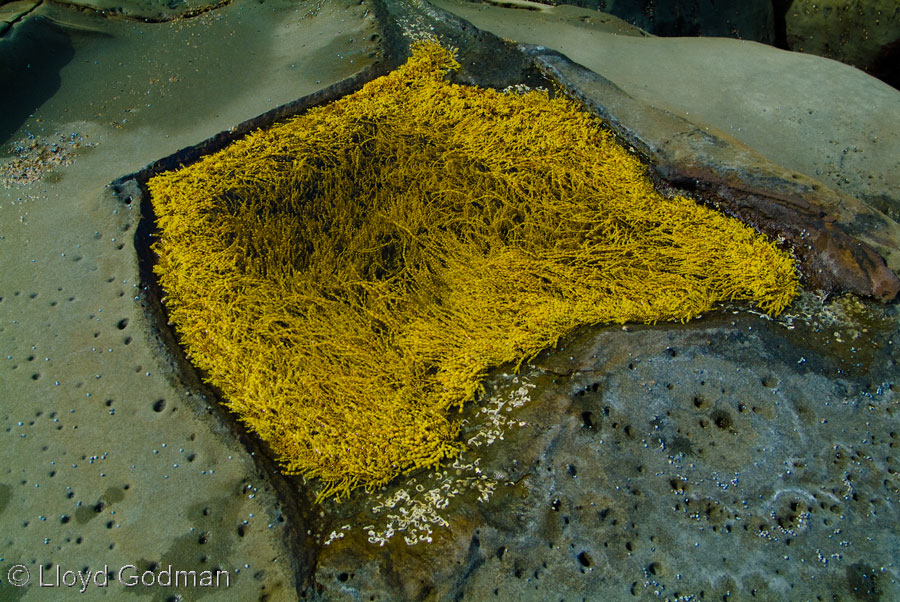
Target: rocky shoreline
[735,456]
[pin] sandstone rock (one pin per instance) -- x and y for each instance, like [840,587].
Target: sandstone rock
[706,110]
[862,33]
[710,460]
[745,20]
[11,12]
[735,457]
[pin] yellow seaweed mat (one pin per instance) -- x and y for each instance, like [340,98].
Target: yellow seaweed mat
[348,277]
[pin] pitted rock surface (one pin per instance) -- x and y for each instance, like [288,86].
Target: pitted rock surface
[734,457]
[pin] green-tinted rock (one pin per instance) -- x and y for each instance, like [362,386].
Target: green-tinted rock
[13,11]
[747,20]
[150,10]
[862,33]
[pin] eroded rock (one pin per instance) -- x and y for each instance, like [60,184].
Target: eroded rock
[734,456]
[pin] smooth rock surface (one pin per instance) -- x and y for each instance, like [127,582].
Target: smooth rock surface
[841,243]
[795,109]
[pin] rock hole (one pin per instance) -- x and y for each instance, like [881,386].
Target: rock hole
[587,419]
[722,419]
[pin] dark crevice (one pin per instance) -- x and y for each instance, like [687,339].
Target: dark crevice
[117,12]
[779,15]
[6,26]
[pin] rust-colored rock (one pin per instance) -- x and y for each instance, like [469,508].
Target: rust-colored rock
[831,259]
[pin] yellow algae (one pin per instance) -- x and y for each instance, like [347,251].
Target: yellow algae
[348,277]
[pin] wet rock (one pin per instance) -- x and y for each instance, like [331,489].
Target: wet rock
[736,456]
[32,54]
[745,20]
[11,12]
[862,34]
[113,457]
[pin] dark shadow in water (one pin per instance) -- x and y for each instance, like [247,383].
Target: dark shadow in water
[886,66]
[780,9]
[32,54]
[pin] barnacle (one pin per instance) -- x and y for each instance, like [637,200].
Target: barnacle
[348,277]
